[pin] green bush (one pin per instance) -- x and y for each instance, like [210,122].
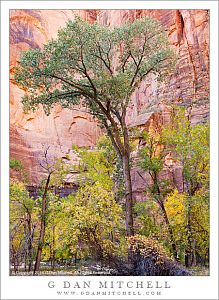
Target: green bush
[16,164]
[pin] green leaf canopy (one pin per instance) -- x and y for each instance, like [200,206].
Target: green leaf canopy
[97,65]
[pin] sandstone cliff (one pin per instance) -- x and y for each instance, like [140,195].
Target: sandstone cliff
[188,31]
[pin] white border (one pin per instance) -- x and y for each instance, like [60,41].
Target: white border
[204,287]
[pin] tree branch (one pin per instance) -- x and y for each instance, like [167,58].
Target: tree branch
[103,60]
[73,84]
[87,75]
[123,66]
[139,62]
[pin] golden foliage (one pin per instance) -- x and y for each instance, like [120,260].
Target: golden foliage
[148,248]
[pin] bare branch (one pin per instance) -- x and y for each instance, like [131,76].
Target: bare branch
[133,59]
[103,60]
[139,63]
[86,73]
[73,84]
[143,178]
[45,164]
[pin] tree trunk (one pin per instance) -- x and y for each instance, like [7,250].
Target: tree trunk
[189,250]
[128,196]
[163,209]
[127,180]
[189,253]
[53,247]
[25,261]
[75,258]
[174,249]
[25,250]
[42,228]
[14,260]
[29,252]
[194,257]
[123,150]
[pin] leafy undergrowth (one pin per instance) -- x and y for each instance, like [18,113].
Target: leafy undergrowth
[151,259]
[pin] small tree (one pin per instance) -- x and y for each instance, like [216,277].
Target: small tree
[51,238]
[176,207]
[152,161]
[189,145]
[94,217]
[102,68]
[49,168]
[23,223]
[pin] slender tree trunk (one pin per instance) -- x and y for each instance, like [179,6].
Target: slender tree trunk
[25,249]
[163,209]
[14,260]
[174,249]
[75,258]
[29,246]
[189,249]
[127,179]
[42,228]
[25,260]
[189,253]
[128,196]
[123,150]
[53,247]
[194,258]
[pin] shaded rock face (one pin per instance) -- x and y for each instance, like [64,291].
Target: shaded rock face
[188,32]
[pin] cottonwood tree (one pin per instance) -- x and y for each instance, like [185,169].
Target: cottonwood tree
[186,212]
[176,205]
[55,170]
[49,168]
[152,158]
[189,145]
[23,223]
[100,68]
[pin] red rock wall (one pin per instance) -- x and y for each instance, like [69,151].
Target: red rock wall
[31,133]
[188,31]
